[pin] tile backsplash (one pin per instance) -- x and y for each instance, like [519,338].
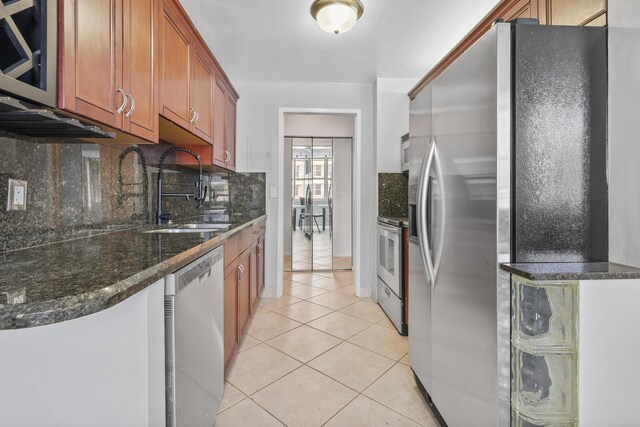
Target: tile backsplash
[75,189]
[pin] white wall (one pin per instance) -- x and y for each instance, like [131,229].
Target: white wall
[392,120]
[342,197]
[257,148]
[318,125]
[624,131]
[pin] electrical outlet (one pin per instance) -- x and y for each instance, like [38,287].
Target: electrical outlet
[17,195]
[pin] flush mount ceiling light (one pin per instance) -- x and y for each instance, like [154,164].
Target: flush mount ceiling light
[336,16]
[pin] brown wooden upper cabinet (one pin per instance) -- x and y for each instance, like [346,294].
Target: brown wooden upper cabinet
[187,76]
[573,12]
[224,126]
[560,12]
[547,12]
[107,69]
[195,93]
[202,97]
[175,76]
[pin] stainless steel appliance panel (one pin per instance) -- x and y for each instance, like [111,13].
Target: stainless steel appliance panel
[194,341]
[419,316]
[419,287]
[419,137]
[463,316]
[389,265]
[405,154]
[391,304]
[504,188]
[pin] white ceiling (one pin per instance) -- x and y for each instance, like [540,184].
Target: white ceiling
[278,40]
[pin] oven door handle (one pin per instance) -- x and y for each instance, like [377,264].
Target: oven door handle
[390,228]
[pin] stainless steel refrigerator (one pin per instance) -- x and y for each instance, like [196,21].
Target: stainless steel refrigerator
[507,164]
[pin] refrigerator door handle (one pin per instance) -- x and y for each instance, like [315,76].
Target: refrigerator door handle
[423,191]
[440,248]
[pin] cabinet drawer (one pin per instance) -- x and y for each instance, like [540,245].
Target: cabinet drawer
[246,238]
[391,304]
[259,227]
[231,249]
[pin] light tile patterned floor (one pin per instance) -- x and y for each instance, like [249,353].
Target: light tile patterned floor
[320,356]
[317,256]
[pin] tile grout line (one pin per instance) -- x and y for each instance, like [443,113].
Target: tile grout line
[341,341]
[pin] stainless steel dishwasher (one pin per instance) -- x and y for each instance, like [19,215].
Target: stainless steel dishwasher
[194,341]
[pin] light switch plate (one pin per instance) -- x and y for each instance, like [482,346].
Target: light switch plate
[273,192]
[17,195]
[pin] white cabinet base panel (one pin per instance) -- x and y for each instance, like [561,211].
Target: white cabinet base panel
[609,345]
[105,369]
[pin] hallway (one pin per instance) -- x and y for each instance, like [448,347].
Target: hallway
[320,356]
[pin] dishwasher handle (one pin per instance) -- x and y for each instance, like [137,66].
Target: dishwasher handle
[195,273]
[204,276]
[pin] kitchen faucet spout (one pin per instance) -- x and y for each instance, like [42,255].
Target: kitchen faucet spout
[199,194]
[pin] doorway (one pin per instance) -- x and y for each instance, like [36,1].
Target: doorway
[318,194]
[352,127]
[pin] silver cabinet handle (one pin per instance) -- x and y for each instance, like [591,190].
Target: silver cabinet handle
[193,115]
[259,249]
[227,156]
[133,106]
[197,117]
[125,99]
[240,273]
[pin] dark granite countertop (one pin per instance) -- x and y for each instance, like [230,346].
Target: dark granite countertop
[572,271]
[66,280]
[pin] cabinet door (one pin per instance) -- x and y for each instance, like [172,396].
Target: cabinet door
[521,9]
[244,278]
[91,60]
[255,268]
[230,132]
[576,12]
[219,106]
[139,74]
[202,98]
[176,53]
[260,265]
[536,9]
[230,317]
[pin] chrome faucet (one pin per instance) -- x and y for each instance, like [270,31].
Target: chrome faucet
[198,195]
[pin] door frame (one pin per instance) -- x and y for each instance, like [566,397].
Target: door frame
[356,211]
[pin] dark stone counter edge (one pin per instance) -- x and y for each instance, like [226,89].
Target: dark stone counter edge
[572,271]
[20,316]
